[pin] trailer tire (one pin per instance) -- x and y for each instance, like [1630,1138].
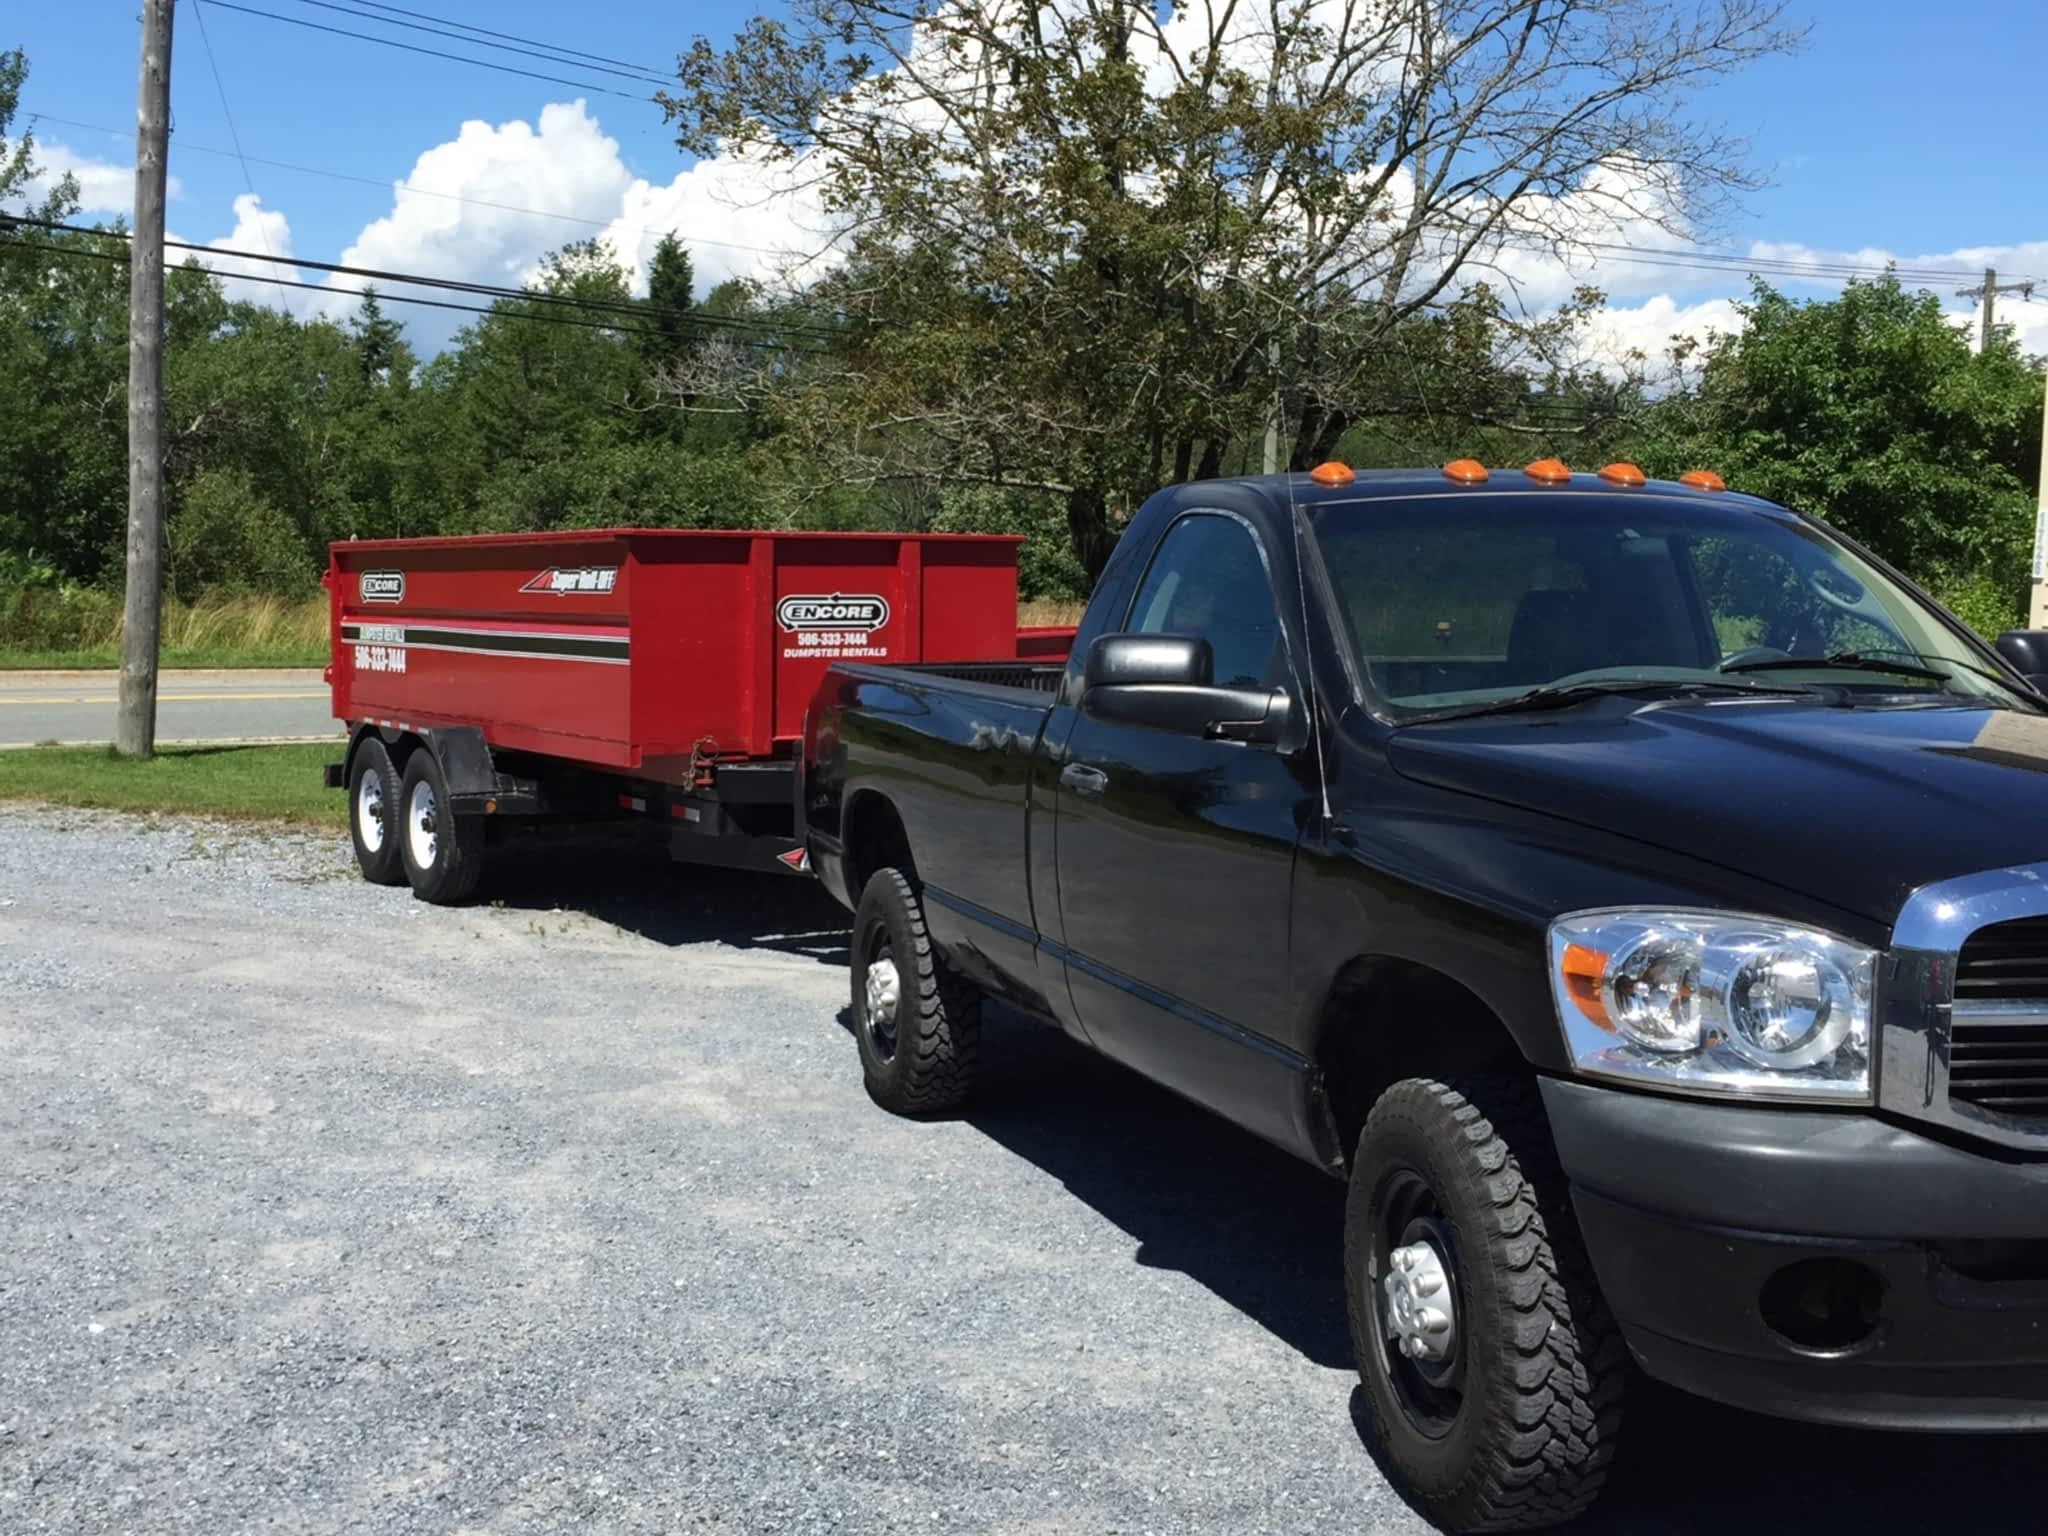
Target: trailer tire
[443,852]
[1500,1411]
[373,798]
[917,1021]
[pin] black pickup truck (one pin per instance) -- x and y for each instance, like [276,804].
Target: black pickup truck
[1635,890]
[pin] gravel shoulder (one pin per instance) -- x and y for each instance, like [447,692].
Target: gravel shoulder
[325,1210]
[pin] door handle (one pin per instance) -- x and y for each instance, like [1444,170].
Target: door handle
[1083,780]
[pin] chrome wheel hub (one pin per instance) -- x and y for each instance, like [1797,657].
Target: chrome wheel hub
[422,821]
[1421,1312]
[370,811]
[884,995]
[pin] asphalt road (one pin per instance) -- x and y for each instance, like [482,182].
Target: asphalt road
[326,1211]
[191,706]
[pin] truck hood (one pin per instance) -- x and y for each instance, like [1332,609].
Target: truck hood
[1856,807]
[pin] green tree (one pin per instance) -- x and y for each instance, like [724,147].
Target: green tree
[671,295]
[1872,410]
[226,537]
[1087,239]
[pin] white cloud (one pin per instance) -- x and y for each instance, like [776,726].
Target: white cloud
[258,231]
[489,203]
[1609,337]
[104,188]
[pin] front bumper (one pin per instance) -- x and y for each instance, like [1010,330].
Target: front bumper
[1693,1212]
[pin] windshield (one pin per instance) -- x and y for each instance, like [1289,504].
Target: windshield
[1455,601]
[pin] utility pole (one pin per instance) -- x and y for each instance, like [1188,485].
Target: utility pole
[1273,409]
[142,613]
[1988,294]
[2037,604]
[2037,601]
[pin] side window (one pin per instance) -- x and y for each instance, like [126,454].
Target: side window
[1208,582]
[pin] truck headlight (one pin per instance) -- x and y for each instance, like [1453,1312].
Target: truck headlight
[1714,1002]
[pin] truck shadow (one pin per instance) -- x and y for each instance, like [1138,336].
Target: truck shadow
[1198,1195]
[618,878]
[1263,1232]
[1689,1466]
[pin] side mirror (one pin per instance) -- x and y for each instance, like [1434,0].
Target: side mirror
[1131,661]
[2026,650]
[1162,682]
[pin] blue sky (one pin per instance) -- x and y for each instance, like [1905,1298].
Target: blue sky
[1901,128]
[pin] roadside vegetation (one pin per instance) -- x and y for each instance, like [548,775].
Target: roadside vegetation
[56,626]
[277,783]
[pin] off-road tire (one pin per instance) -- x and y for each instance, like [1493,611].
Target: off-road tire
[937,1027]
[382,865]
[458,861]
[1544,1363]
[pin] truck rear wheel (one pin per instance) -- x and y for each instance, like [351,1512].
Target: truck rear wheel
[443,852]
[918,1024]
[1490,1363]
[373,814]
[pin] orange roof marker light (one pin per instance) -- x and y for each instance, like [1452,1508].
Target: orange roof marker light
[1465,472]
[1703,480]
[1624,475]
[1548,472]
[1332,473]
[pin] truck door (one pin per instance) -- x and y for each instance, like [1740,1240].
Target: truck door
[1175,854]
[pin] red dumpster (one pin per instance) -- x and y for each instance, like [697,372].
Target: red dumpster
[677,662]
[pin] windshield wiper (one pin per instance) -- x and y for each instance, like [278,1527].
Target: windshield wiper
[1968,666]
[1563,695]
[1852,661]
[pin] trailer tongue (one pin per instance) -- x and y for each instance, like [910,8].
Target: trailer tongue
[659,674]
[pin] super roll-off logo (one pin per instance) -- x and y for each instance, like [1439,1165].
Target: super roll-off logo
[832,625]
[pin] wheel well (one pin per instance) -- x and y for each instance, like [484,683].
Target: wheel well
[1389,1019]
[399,745]
[874,839]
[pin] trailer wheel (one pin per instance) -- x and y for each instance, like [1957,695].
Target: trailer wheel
[918,1023]
[373,814]
[443,852]
[1491,1366]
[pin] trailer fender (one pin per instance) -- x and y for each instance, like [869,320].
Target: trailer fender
[475,784]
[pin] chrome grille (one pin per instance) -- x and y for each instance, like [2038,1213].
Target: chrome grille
[2005,963]
[1964,1007]
[1998,1031]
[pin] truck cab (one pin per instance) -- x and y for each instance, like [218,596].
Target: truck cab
[1635,890]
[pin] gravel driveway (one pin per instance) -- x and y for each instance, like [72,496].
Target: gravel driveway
[324,1210]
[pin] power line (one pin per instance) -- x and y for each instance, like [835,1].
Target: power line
[595,58]
[436,53]
[462,285]
[80,252]
[1686,258]
[543,52]
[417,191]
[234,137]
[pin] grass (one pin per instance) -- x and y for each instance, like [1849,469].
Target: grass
[82,628]
[246,783]
[50,631]
[1049,611]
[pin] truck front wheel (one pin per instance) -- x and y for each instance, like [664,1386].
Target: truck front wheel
[373,813]
[918,1024]
[443,852]
[1491,1366]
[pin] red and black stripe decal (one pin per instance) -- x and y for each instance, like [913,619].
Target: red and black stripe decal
[534,642]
